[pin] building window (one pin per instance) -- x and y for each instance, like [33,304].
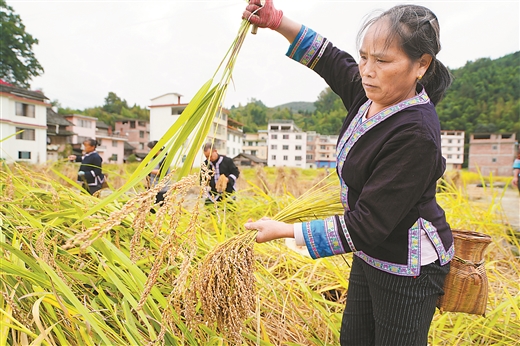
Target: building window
[449,156]
[494,148]
[285,136]
[285,147]
[297,158]
[24,155]
[141,134]
[298,136]
[27,134]
[309,157]
[84,123]
[141,123]
[323,147]
[274,136]
[298,147]
[114,144]
[253,152]
[274,147]
[493,160]
[113,158]
[273,157]
[141,146]
[285,157]
[25,110]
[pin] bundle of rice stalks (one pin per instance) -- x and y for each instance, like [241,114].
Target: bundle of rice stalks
[225,287]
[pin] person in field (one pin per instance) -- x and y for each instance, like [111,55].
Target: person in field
[90,174]
[223,174]
[155,175]
[388,162]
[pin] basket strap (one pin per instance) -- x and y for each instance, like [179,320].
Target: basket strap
[463,261]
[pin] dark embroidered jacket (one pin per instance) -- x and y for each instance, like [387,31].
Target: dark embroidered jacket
[388,167]
[91,166]
[222,165]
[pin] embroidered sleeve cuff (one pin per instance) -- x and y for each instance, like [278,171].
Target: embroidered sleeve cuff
[322,238]
[308,47]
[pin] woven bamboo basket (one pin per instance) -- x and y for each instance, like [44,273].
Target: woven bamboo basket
[466,285]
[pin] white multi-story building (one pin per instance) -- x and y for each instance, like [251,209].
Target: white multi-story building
[256,144]
[23,112]
[235,136]
[452,144]
[164,112]
[286,144]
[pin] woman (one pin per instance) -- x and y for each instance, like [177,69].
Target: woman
[90,174]
[388,162]
[516,171]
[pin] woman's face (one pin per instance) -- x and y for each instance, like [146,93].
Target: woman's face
[388,74]
[88,148]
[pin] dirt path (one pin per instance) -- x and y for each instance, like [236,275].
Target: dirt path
[510,202]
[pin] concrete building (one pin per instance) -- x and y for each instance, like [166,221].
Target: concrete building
[83,127]
[24,113]
[321,150]
[256,144]
[235,134]
[58,137]
[167,108]
[492,153]
[111,147]
[286,144]
[138,134]
[248,161]
[452,144]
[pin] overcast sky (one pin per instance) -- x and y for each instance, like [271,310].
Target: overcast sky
[144,49]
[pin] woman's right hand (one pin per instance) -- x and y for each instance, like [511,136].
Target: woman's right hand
[266,16]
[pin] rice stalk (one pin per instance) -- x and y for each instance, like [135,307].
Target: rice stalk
[225,287]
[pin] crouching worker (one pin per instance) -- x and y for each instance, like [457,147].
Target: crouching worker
[223,174]
[90,174]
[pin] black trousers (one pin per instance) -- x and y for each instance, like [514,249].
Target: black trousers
[387,309]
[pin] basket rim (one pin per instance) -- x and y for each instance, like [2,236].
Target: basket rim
[458,233]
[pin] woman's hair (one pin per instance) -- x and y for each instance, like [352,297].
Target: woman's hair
[151,144]
[418,31]
[91,141]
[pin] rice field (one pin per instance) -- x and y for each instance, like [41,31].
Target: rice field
[77,271]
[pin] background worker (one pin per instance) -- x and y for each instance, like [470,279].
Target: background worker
[155,175]
[90,173]
[223,174]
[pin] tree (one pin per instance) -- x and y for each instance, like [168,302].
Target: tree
[18,65]
[114,104]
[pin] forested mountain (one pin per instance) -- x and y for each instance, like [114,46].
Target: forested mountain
[484,97]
